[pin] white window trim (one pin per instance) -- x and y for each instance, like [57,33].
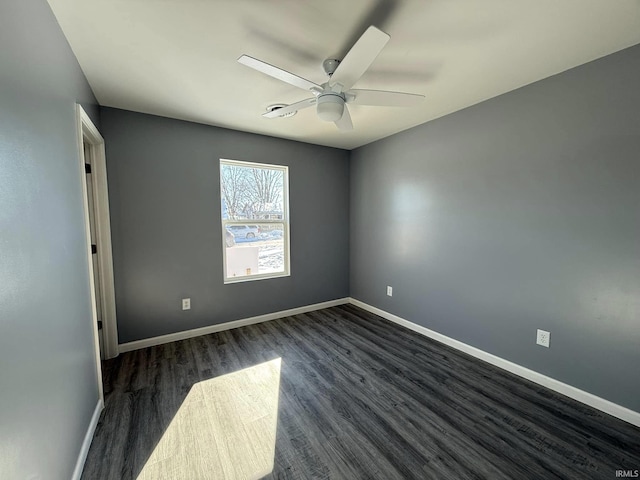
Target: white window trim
[284,222]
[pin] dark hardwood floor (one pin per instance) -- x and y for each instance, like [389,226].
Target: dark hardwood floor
[359,397]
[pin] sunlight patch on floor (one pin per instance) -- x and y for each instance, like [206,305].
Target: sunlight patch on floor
[225,428]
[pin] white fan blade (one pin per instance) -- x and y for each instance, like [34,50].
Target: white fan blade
[345,124]
[383,98]
[278,73]
[359,58]
[294,107]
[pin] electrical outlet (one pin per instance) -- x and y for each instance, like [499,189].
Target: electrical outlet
[186,304]
[390,291]
[543,338]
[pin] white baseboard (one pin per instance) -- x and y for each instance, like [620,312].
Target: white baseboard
[88,437]
[587,398]
[196,332]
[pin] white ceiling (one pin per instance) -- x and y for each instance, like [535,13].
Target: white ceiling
[177,58]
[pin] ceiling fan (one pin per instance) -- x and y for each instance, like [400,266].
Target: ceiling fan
[330,97]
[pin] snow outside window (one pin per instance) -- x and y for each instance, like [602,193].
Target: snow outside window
[255,220]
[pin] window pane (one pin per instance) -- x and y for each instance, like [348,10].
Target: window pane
[251,192]
[254,249]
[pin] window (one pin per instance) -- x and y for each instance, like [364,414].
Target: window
[255,220]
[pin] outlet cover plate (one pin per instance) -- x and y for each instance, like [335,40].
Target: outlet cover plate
[186,304]
[543,338]
[390,291]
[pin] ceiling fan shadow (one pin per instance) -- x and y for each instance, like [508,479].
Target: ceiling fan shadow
[379,16]
[419,74]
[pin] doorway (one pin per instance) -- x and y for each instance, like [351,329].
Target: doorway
[98,234]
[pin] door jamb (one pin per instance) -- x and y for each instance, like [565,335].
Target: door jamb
[88,133]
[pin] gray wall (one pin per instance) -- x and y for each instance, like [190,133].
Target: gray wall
[48,387]
[164,197]
[519,213]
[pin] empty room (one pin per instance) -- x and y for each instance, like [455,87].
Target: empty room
[390,239]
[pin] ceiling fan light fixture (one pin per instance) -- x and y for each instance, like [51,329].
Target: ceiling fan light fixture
[330,107]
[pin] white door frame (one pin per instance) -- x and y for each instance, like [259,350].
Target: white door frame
[89,134]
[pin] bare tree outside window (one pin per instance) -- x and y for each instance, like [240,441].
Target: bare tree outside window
[266,191]
[233,182]
[251,193]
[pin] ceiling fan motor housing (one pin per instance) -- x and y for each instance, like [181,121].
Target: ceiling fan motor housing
[330,65]
[330,106]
